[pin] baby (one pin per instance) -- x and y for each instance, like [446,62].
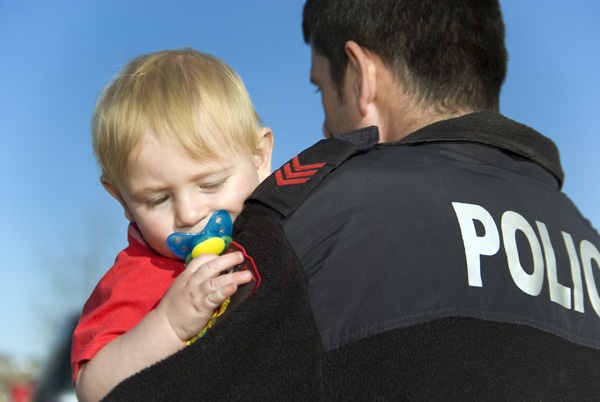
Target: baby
[177,139]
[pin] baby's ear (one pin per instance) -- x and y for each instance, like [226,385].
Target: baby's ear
[262,157]
[112,190]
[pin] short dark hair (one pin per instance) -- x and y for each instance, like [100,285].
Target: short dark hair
[448,53]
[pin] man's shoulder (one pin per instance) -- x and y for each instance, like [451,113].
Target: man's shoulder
[289,185]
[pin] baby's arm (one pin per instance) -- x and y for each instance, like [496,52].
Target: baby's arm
[181,314]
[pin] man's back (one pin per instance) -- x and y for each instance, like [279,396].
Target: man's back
[447,263]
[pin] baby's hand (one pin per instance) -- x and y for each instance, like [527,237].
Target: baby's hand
[199,290]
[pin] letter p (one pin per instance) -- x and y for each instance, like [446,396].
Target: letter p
[476,246]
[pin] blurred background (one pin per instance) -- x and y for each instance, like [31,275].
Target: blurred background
[60,231]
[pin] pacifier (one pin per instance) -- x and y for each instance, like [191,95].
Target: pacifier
[213,239]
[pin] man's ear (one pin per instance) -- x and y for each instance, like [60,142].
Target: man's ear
[262,156]
[112,190]
[365,75]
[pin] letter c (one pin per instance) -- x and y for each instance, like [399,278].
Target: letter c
[589,252]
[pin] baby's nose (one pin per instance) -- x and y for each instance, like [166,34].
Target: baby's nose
[189,215]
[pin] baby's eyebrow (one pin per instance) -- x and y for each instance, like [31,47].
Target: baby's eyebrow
[146,191]
[207,175]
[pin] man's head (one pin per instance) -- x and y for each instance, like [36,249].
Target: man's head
[447,55]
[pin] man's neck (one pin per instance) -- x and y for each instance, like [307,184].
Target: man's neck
[399,113]
[405,116]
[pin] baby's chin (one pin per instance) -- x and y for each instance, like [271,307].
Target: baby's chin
[164,251]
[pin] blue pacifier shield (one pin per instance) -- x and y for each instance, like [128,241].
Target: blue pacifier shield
[219,225]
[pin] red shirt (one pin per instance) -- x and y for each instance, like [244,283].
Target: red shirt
[129,290]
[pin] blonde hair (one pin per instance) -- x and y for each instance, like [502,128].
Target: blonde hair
[190,98]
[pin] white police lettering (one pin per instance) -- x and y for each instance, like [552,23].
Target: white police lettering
[544,259]
[558,293]
[575,272]
[588,253]
[475,246]
[530,284]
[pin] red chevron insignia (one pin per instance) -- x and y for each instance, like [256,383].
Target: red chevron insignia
[298,166]
[299,174]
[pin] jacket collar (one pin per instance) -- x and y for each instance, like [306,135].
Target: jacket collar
[494,129]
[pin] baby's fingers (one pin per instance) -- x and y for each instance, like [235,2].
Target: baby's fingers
[209,265]
[220,288]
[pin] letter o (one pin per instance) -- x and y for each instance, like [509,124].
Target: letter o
[530,284]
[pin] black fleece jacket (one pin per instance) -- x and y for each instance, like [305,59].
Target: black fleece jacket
[446,266]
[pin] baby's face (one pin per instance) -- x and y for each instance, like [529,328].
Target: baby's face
[167,192]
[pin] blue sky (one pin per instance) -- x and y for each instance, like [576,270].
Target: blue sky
[59,229]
